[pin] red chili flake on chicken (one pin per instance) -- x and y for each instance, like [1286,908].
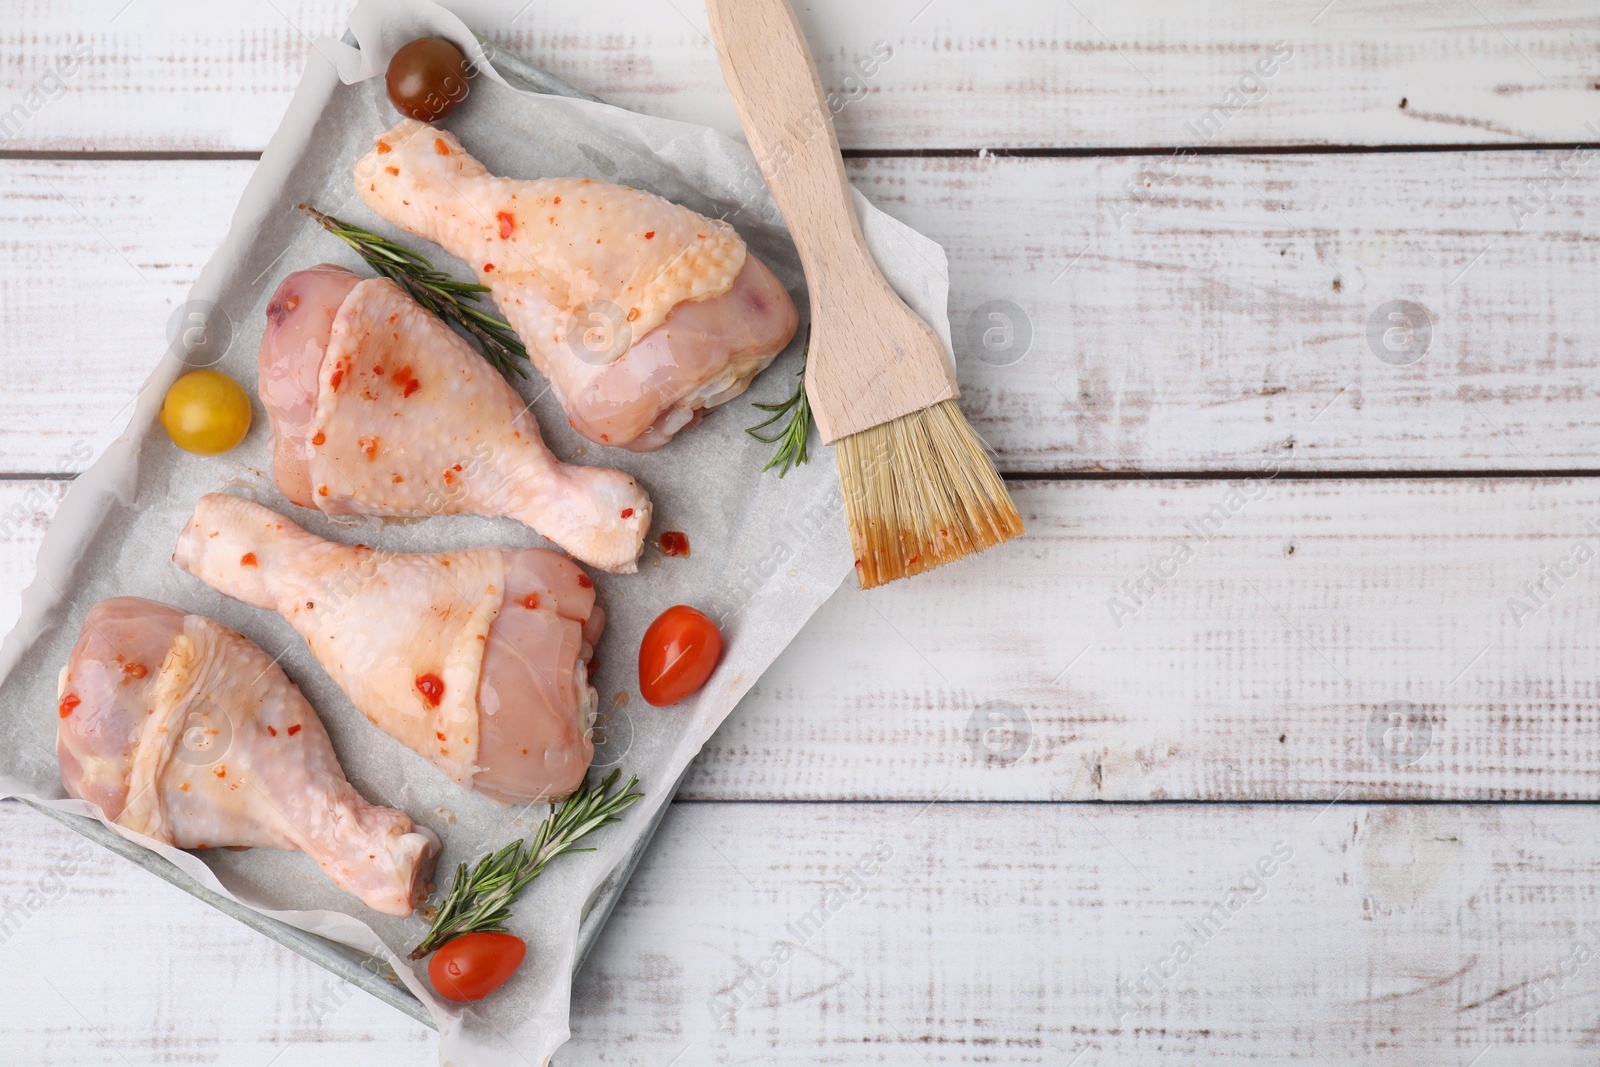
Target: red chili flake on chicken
[319,438]
[134,670]
[650,235]
[673,543]
[393,170]
[557,200]
[488,268]
[584,582]
[222,772]
[627,513]
[336,379]
[322,490]
[294,729]
[273,730]
[431,686]
[383,148]
[440,147]
[508,223]
[68,702]
[247,560]
[633,314]
[531,601]
[369,445]
[406,380]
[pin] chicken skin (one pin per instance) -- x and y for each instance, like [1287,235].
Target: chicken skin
[185,731]
[378,408]
[641,314]
[477,660]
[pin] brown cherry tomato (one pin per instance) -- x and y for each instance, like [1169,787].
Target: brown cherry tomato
[679,652]
[472,966]
[427,78]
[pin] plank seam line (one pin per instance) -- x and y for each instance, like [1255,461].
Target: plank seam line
[1117,151]
[109,155]
[1243,474]
[1323,802]
[1107,152]
[1239,475]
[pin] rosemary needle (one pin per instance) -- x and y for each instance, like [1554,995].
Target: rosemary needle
[480,899]
[433,289]
[792,436]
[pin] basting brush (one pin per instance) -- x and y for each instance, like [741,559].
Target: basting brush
[919,487]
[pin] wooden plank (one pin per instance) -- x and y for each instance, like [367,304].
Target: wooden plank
[1020,934]
[107,964]
[98,259]
[186,75]
[1212,640]
[25,511]
[1350,639]
[1227,324]
[1239,314]
[1024,934]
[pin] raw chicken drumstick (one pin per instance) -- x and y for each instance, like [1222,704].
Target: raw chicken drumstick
[641,314]
[477,660]
[379,408]
[185,731]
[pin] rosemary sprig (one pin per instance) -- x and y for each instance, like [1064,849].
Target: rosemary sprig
[480,900]
[792,436]
[433,289]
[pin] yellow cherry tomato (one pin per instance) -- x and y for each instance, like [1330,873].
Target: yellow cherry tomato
[206,412]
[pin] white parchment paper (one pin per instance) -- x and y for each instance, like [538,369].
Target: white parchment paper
[765,552]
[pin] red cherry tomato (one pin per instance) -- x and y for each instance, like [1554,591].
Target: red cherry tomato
[678,654]
[472,966]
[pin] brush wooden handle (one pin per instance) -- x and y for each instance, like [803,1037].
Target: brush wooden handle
[872,358]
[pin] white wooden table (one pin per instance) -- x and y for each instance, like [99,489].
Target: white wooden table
[1306,588]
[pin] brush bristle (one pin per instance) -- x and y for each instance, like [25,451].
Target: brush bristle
[921,491]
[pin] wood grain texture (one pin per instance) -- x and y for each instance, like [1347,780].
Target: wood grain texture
[1205,640]
[950,933]
[869,358]
[1224,325]
[1009,934]
[1235,313]
[98,259]
[187,75]
[1313,640]
[106,964]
